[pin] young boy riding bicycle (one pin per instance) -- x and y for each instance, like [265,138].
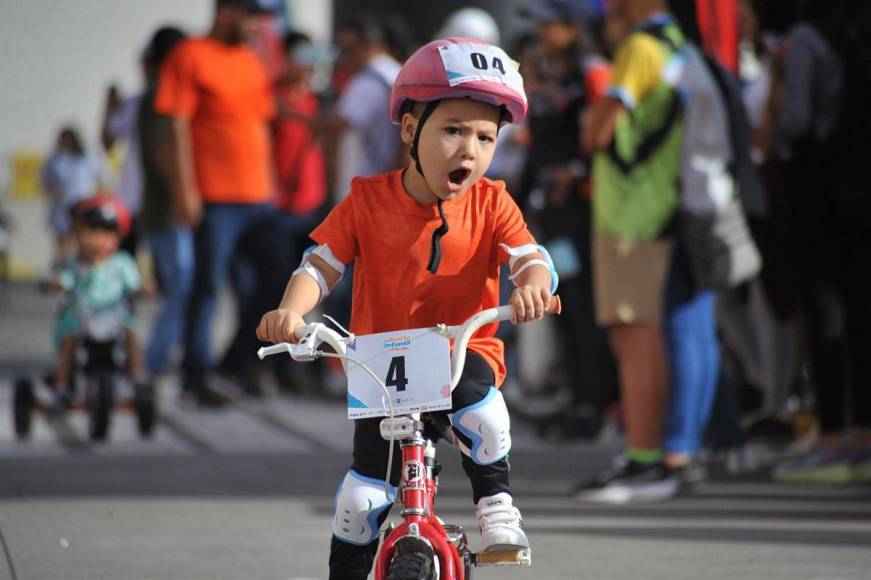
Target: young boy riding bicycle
[427,242]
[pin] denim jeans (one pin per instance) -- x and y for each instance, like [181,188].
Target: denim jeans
[693,355]
[218,237]
[291,235]
[173,254]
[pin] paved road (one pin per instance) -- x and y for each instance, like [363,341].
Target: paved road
[246,493]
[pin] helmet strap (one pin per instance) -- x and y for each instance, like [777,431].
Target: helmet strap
[427,111]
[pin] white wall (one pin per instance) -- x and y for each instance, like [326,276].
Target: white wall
[59,56]
[57,59]
[315,17]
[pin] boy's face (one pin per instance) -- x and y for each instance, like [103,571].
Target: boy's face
[95,244]
[456,145]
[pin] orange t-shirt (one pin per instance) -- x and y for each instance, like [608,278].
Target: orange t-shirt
[388,236]
[225,93]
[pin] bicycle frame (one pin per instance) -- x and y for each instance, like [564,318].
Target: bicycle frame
[419,477]
[418,488]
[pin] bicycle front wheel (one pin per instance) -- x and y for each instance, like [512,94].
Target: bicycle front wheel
[412,566]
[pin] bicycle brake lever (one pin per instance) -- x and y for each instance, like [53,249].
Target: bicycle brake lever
[305,350]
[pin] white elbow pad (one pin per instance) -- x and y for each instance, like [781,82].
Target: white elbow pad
[514,254]
[326,254]
[306,267]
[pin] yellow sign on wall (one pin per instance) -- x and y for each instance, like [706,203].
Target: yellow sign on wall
[24,183]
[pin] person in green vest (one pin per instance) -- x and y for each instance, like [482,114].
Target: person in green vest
[636,134]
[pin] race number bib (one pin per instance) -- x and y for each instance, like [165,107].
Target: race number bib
[415,365]
[476,62]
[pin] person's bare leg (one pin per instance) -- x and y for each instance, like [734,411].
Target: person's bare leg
[643,368]
[64,370]
[66,358]
[135,357]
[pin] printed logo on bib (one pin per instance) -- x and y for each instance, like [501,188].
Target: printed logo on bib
[413,475]
[469,61]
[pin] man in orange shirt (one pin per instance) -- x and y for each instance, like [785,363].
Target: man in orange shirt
[427,242]
[219,97]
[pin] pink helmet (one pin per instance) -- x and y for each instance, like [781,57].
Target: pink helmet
[460,67]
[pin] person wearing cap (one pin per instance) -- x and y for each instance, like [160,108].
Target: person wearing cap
[99,277]
[427,242]
[220,100]
[637,135]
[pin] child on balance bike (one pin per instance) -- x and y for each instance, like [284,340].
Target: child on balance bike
[98,283]
[427,242]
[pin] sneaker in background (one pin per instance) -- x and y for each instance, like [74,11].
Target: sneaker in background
[628,481]
[862,467]
[817,466]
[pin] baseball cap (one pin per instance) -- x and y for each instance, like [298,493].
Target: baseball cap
[554,11]
[104,212]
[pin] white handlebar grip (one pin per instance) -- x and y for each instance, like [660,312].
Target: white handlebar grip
[274,349]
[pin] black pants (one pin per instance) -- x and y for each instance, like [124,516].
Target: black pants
[350,562]
[833,273]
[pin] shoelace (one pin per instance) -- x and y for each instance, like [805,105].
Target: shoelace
[499,516]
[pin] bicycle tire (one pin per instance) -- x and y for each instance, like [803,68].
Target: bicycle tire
[101,404]
[411,566]
[145,404]
[23,405]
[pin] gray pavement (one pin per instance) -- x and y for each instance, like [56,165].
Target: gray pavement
[246,493]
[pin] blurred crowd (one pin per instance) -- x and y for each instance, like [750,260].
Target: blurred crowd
[230,164]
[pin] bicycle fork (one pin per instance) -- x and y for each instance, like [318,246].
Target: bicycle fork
[420,529]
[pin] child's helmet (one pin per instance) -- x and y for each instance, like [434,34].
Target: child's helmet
[460,67]
[105,212]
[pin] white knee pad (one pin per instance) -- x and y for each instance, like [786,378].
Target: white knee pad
[359,502]
[487,425]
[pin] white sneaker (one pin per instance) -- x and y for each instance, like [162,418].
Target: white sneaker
[500,524]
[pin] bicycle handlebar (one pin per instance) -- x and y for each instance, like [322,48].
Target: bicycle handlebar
[311,335]
[463,332]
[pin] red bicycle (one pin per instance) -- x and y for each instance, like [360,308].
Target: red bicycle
[422,546]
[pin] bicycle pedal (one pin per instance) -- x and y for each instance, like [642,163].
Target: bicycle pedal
[522,557]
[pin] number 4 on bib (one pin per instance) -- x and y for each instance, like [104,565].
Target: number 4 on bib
[414,365]
[396,374]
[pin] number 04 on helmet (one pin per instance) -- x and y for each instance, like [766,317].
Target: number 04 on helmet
[458,67]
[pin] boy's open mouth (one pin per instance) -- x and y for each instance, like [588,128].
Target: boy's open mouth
[457,176]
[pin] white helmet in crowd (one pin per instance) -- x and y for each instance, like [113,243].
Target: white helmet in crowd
[471,23]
